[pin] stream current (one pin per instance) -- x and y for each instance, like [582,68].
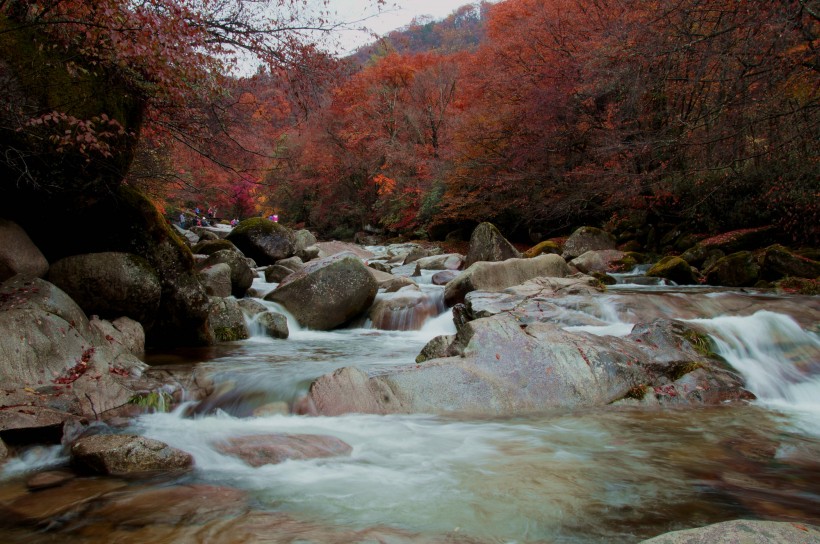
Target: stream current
[572,476]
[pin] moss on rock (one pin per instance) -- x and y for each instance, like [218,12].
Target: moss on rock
[674,269]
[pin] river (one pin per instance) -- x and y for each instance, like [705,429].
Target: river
[579,476]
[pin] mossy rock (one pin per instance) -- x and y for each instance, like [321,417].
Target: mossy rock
[41,78]
[547,246]
[778,262]
[798,286]
[736,270]
[126,221]
[227,320]
[674,269]
[263,240]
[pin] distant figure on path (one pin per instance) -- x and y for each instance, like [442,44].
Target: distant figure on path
[275,218]
[182,220]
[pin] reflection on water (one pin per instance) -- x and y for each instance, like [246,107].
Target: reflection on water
[582,476]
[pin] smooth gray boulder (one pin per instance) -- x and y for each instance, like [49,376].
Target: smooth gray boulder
[273,324]
[743,531]
[18,254]
[503,367]
[304,245]
[587,239]
[124,331]
[216,279]
[327,292]
[276,273]
[110,285]
[487,276]
[488,244]
[446,261]
[53,362]
[127,455]
[601,260]
[241,275]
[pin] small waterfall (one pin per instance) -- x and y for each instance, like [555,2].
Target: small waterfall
[778,359]
[406,310]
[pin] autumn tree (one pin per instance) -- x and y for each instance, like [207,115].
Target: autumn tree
[83,79]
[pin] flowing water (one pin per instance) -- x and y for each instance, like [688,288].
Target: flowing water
[595,475]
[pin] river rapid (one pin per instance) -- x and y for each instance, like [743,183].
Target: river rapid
[579,476]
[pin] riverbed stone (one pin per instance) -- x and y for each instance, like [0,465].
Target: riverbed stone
[446,261]
[127,455]
[274,324]
[488,244]
[270,449]
[56,364]
[38,507]
[674,269]
[736,270]
[502,367]
[216,279]
[227,320]
[18,254]
[602,260]
[745,532]
[497,276]
[263,240]
[778,262]
[177,505]
[276,273]
[587,239]
[110,285]
[241,276]
[327,292]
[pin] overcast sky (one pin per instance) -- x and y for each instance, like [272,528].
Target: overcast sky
[396,14]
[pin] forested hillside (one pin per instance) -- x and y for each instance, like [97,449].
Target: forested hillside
[571,112]
[537,115]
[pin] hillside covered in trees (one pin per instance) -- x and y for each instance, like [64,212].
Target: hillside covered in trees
[537,115]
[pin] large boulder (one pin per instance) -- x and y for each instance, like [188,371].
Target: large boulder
[110,285]
[18,254]
[241,274]
[304,245]
[587,239]
[736,270]
[504,367]
[743,531]
[488,244]
[263,240]
[127,455]
[227,320]
[327,292]
[707,251]
[487,276]
[778,262]
[57,365]
[674,269]
[602,260]
[125,221]
[216,279]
